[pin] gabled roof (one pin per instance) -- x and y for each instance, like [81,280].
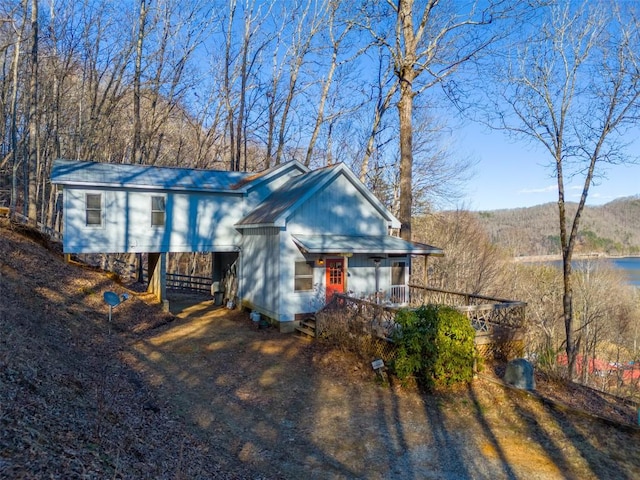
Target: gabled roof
[94,174]
[276,208]
[84,173]
[379,244]
[255,179]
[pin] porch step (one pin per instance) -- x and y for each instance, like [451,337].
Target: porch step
[307,328]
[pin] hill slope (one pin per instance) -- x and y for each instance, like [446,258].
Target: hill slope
[613,228]
[69,408]
[222,399]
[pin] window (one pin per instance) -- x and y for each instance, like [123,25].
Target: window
[93,209]
[398,273]
[303,280]
[157,211]
[335,273]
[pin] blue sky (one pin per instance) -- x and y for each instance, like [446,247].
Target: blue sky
[512,174]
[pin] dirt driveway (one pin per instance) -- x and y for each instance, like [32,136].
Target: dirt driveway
[288,408]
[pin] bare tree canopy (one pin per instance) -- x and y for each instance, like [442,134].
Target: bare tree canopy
[426,43]
[572,86]
[237,84]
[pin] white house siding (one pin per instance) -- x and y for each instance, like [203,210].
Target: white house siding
[340,209]
[194,222]
[361,275]
[292,302]
[260,272]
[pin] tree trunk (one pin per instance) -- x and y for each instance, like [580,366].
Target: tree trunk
[406,73]
[136,148]
[243,92]
[33,120]
[227,87]
[405,108]
[15,162]
[381,107]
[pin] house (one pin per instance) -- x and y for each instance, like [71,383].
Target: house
[295,235]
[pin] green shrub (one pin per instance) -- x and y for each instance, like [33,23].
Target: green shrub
[434,343]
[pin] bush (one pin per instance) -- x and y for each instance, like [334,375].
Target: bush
[434,343]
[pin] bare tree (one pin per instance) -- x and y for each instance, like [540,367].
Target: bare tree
[136,149]
[597,320]
[175,30]
[272,89]
[98,104]
[228,91]
[238,76]
[309,23]
[385,92]
[472,264]
[430,41]
[572,87]
[338,30]
[14,142]
[540,286]
[33,163]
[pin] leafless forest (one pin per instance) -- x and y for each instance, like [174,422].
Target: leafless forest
[606,308]
[611,229]
[230,85]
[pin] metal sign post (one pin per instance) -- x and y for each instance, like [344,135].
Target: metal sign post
[113,300]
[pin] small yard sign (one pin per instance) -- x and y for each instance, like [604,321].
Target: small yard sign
[377,364]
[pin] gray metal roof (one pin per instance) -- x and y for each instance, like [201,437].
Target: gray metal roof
[382,244]
[280,201]
[82,173]
[275,208]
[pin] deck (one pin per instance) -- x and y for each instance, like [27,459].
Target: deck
[498,322]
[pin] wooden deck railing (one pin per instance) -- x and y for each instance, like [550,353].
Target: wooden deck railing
[358,316]
[482,311]
[189,283]
[18,217]
[496,321]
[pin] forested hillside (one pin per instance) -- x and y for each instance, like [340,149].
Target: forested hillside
[613,228]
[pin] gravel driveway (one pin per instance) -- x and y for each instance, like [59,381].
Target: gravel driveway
[290,408]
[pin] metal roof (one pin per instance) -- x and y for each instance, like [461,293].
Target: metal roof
[381,244]
[82,173]
[283,199]
[275,208]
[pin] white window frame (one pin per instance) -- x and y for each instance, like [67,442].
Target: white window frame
[93,209]
[164,212]
[305,276]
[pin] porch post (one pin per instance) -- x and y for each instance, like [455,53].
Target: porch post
[425,273]
[345,273]
[376,262]
[158,275]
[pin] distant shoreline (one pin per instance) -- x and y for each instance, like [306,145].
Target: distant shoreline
[558,257]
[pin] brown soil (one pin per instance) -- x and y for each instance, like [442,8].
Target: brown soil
[207,394]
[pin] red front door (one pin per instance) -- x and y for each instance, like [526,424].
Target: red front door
[334,276]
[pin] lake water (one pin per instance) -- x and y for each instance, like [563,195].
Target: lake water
[629,265]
